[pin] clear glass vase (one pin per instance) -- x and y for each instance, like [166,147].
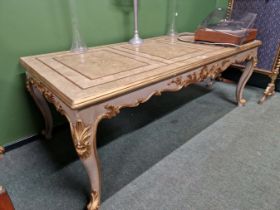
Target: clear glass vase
[172,17]
[136,39]
[78,44]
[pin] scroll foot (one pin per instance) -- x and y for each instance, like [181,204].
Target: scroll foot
[94,201]
[242,102]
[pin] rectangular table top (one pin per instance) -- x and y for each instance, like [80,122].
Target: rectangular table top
[108,71]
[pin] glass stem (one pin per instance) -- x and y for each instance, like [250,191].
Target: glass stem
[78,45]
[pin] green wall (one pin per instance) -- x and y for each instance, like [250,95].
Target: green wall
[222,3]
[30,27]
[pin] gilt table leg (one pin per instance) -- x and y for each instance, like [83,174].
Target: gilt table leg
[249,68]
[84,137]
[43,106]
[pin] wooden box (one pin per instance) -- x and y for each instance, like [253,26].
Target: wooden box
[219,37]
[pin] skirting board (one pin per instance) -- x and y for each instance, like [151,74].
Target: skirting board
[28,139]
[21,142]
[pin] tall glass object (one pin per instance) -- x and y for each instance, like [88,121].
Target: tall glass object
[136,40]
[172,16]
[78,44]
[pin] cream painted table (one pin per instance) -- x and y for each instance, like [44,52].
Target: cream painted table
[89,87]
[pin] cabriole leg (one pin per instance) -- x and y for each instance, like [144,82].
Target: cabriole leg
[249,68]
[43,106]
[84,137]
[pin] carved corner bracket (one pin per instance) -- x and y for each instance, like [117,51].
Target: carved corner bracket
[192,78]
[81,137]
[48,95]
[94,203]
[112,110]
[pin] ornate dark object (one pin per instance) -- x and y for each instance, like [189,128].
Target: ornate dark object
[268,23]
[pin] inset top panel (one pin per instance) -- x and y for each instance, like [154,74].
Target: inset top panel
[96,64]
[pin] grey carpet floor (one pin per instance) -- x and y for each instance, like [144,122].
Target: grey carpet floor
[47,175]
[234,164]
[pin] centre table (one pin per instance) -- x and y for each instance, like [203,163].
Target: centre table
[88,87]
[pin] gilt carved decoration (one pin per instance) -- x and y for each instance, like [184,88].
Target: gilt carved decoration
[192,78]
[180,82]
[112,111]
[81,138]
[229,8]
[45,92]
[213,72]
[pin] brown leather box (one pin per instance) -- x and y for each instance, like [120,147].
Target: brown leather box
[219,37]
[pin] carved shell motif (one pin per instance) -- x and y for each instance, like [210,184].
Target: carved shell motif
[81,138]
[94,201]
